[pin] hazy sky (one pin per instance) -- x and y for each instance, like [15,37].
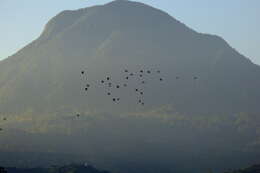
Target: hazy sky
[237,21]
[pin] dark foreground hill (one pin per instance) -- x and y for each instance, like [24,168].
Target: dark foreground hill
[251,169]
[74,168]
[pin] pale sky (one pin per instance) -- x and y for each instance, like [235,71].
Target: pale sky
[237,21]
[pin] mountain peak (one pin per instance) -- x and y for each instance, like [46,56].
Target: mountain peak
[122,12]
[122,2]
[118,1]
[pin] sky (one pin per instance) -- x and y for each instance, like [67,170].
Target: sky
[237,21]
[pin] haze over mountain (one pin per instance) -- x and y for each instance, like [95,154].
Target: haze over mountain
[41,89]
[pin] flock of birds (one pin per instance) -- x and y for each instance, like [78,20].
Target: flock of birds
[140,78]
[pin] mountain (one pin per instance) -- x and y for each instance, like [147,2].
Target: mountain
[45,75]
[204,114]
